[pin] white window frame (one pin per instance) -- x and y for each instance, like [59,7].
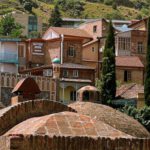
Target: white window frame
[47,72]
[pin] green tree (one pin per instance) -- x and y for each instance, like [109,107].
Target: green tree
[8,27]
[28,4]
[73,7]
[55,19]
[147,78]
[108,76]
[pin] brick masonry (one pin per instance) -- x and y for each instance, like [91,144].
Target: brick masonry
[9,116]
[20,142]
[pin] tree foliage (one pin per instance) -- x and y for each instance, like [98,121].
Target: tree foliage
[55,18]
[108,77]
[141,115]
[28,4]
[73,7]
[8,27]
[147,79]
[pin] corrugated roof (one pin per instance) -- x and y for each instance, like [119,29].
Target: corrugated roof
[128,61]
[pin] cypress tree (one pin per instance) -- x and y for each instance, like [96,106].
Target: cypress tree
[147,78]
[108,77]
[55,19]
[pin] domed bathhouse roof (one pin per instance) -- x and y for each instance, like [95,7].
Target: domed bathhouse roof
[112,117]
[56,60]
[49,125]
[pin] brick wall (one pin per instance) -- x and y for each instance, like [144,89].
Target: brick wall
[78,51]
[8,82]
[9,116]
[52,50]
[136,75]
[139,36]
[20,142]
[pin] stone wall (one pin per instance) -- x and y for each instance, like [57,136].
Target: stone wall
[20,142]
[8,82]
[15,114]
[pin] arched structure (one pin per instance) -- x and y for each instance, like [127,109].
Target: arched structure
[15,114]
[88,93]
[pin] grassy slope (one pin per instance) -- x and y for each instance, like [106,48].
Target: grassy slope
[92,10]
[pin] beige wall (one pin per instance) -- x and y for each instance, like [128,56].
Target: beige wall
[22,19]
[89,54]
[88,27]
[102,27]
[52,51]
[139,36]
[136,75]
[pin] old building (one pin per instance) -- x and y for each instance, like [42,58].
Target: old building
[61,46]
[32,24]
[132,43]
[132,91]
[35,53]
[129,69]
[12,54]
[44,125]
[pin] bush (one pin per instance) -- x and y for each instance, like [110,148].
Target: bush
[142,115]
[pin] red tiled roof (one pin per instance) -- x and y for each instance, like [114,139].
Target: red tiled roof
[128,61]
[71,32]
[129,90]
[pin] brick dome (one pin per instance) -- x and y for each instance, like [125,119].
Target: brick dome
[65,124]
[112,117]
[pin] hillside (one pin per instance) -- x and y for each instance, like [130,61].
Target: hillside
[90,10]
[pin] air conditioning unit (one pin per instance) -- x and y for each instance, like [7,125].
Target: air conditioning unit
[47,72]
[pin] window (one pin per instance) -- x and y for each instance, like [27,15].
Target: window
[73,95]
[124,43]
[32,23]
[94,29]
[47,72]
[93,49]
[75,73]
[71,51]
[127,76]
[65,73]
[140,47]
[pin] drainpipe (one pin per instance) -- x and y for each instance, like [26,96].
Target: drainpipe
[98,58]
[62,47]
[17,58]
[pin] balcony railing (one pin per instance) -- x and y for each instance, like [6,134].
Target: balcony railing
[8,57]
[124,53]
